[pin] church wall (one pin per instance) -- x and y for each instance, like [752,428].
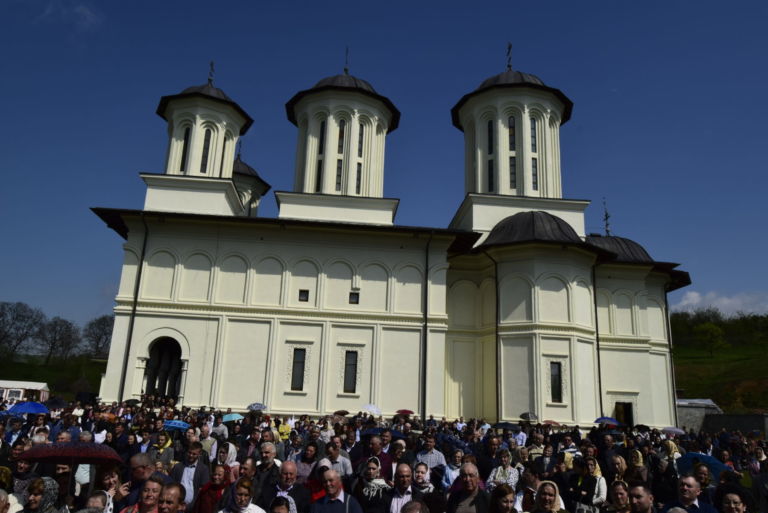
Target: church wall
[244,352]
[400,369]
[518,376]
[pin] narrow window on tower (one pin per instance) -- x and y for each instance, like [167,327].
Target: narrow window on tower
[184,150]
[339,166]
[342,128]
[321,144]
[556,381]
[512,173]
[511,127]
[359,178]
[491,185]
[297,369]
[319,176]
[360,136]
[223,153]
[490,137]
[206,150]
[350,372]
[534,143]
[535,173]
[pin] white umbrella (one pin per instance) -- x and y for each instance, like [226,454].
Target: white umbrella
[673,430]
[372,409]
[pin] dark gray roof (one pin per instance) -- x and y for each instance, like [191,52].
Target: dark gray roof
[533,226]
[512,79]
[627,250]
[344,82]
[241,168]
[206,91]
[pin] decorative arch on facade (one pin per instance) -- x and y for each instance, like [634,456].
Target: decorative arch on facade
[516,298]
[623,312]
[165,352]
[268,280]
[196,277]
[232,278]
[604,321]
[304,282]
[130,268]
[339,281]
[487,291]
[553,298]
[582,302]
[462,305]
[409,280]
[374,285]
[160,274]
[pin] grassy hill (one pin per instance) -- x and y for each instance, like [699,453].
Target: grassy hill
[735,378]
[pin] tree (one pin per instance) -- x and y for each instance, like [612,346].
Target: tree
[711,336]
[19,322]
[58,337]
[98,333]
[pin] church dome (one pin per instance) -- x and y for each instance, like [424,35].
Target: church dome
[241,168]
[344,83]
[512,79]
[533,226]
[627,250]
[209,92]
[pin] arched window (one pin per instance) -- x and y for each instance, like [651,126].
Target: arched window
[319,176]
[535,173]
[534,142]
[511,128]
[360,136]
[206,150]
[491,184]
[490,137]
[359,179]
[321,144]
[513,172]
[342,129]
[339,168]
[185,150]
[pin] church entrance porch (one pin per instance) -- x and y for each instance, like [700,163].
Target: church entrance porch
[164,368]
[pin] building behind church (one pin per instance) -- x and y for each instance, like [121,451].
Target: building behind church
[512,308]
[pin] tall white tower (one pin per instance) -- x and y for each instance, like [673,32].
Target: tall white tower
[511,126]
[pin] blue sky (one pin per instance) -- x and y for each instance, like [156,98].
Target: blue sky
[668,124]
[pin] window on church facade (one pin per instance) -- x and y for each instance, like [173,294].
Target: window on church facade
[297,369]
[319,176]
[491,184]
[339,168]
[321,143]
[350,372]
[534,137]
[490,137]
[206,151]
[360,136]
[359,178]
[512,172]
[342,129]
[304,295]
[185,150]
[512,137]
[556,381]
[354,298]
[535,174]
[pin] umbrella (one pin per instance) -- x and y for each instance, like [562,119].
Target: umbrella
[686,462]
[232,417]
[372,408]
[405,412]
[671,430]
[642,428]
[372,431]
[55,403]
[132,402]
[529,415]
[551,423]
[607,420]
[73,453]
[257,406]
[28,407]
[506,425]
[170,425]
[341,413]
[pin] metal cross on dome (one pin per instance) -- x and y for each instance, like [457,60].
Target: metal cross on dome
[509,55]
[211,71]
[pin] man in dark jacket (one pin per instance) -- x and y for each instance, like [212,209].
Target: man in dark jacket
[402,492]
[192,473]
[335,500]
[470,497]
[286,485]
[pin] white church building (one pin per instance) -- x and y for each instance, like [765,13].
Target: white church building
[512,308]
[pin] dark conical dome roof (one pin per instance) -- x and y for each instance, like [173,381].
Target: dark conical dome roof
[348,83]
[206,91]
[533,226]
[241,168]
[626,250]
[512,79]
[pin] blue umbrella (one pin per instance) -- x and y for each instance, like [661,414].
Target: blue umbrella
[686,462]
[506,425]
[232,417]
[607,420]
[257,406]
[170,425]
[28,407]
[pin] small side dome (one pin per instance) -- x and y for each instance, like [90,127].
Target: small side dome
[343,82]
[241,168]
[209,92]
[533,226]
[512,79]
[627,250]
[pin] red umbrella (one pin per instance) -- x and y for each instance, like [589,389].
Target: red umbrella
[341,413]
[73,453]
[551,423]
[405,412]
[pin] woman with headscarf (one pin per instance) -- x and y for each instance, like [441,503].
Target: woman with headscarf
[306,463]
[581,488]
[240,500]
[636,471]
[618,498]
[100,500]
[226,455]
[547,499]
[452,468]
[504,473]
[421,479]
[41,496]
[601,488]
[210,494]
[23,476]
[370,490]
[284,504]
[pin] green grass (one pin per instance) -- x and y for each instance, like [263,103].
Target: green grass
[735,378]
[65,379]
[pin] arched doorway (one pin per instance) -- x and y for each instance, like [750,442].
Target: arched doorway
[163,371]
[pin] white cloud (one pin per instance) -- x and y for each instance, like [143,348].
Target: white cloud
[71,12]
[747,302]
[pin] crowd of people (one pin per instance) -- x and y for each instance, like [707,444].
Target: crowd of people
[201,461]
